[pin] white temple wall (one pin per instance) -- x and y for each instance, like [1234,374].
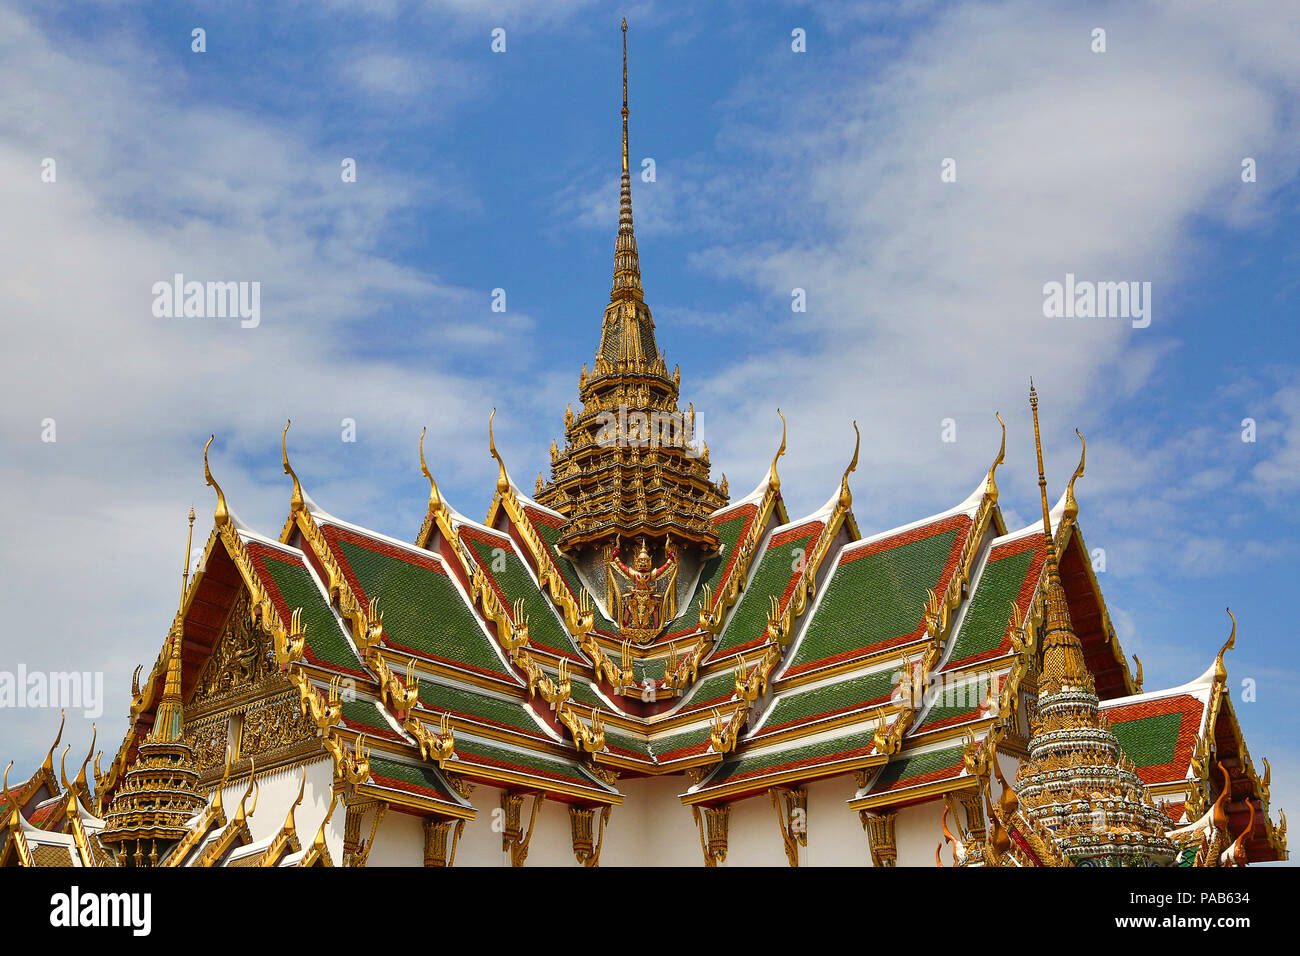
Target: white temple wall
[835,834]
[917,832]
[753,836]
[399,841]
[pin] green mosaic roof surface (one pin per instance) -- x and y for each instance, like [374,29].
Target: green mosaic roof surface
[728,535]
[506,567]
[838,696]
[874,599]
[679,741]
[565,769]
[901,771]
[405,772]
[365,713]
[567,571]
[749,619]
[715,688]
[966,700]
[626,741]
[581,692]
[986,620]
[1149,741]
[324,636]
[750,763]
[422,609]
[440,697]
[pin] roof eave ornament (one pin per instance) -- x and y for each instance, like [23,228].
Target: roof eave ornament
[435,499]
[774,479]
[1221,671]
[1072,505]
[222,515]
[846,496]
[503,479]
[296,500]
[991,485]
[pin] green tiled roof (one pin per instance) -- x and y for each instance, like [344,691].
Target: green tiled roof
[407,773]
[1149,741]
[752,763]
[505,566]
[716,688]
[440,697]
[989,613]
[365,713]
[966,698]
[872,600]
[833,697]
[324,636]
[564,769]
[711,574]
[694,737]
[778,564]
[562,564]
[422,609]
[918,765]
[581,692]
[625,741]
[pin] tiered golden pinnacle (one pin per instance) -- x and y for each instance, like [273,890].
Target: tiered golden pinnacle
[630,466]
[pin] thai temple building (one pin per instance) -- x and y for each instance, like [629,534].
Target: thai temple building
[632,666]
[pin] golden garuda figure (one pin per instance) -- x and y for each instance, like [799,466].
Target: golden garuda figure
[643,610]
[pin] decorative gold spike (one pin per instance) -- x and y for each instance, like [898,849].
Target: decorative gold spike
[1071,505]
[1042,478]
[846,496]
[48,765]
[774,481]
[1220,671]
[435,499]
[503,480]
[296,501]
[222,515]
[1137,681]
[991,486]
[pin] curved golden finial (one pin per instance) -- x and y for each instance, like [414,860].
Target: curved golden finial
[1218,815]
[1221,672]
[774,480]
[10,800]
[81,774]
[222,515]
[846,496]
[1072,506]
[503,479]
[225,778]
[302,788]
[241,814]
[947,834]
[296,499]
[63,774]
[991,486]
[48,765]
[435,499]
[1137,681]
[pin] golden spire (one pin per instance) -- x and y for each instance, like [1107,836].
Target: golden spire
[1062,653]
[627,267]
[435,499]
[167,723]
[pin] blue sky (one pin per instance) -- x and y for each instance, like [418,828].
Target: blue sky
[775,170]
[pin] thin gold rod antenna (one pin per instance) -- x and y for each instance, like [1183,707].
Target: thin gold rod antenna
[1038,447]
[189,552]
